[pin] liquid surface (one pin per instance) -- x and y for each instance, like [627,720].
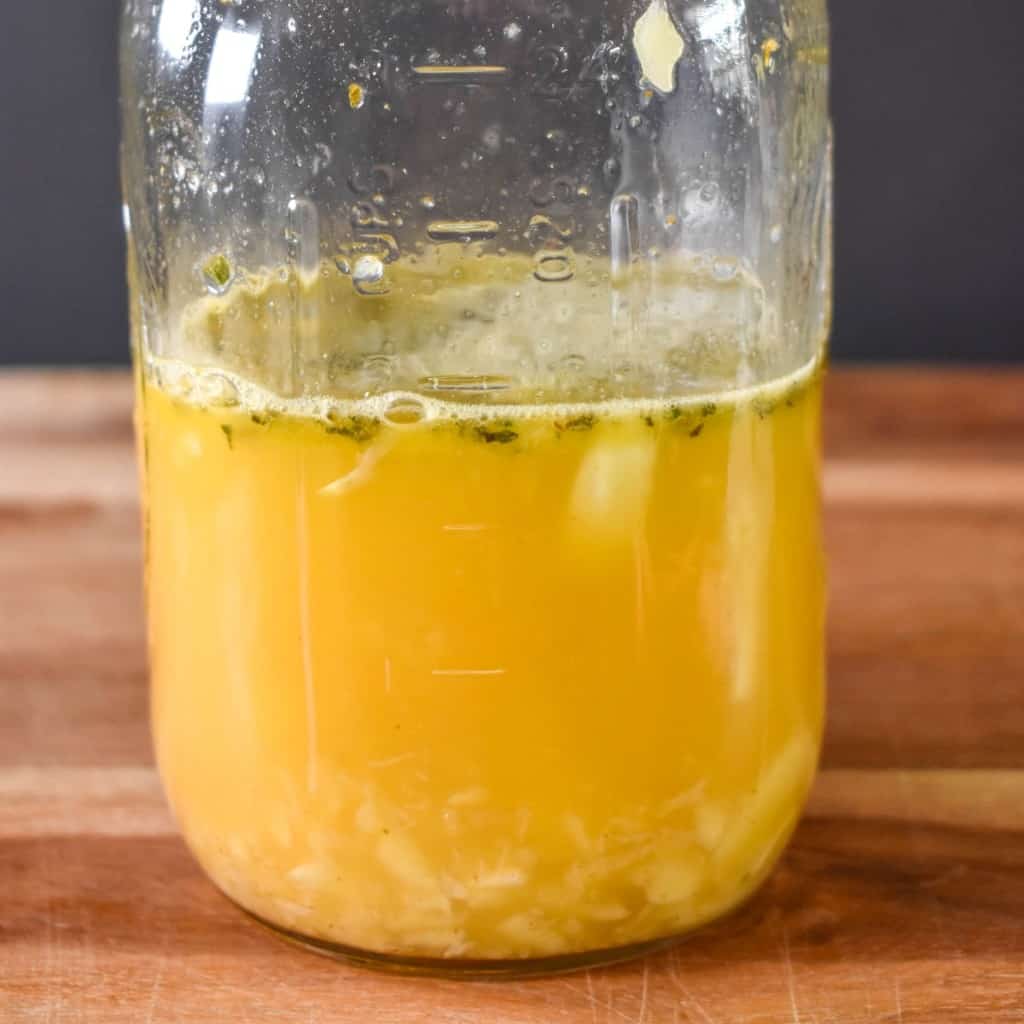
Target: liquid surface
[472,680]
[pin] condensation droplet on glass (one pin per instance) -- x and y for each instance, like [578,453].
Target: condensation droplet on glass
[368,270]
[368,276]
[623,216]
[428,202]
[492,138]
[636,121]
[775,234]
[554,266]
[512,31]
[323,157]
[293,26]
[380,368]
[611,171]
[724,269]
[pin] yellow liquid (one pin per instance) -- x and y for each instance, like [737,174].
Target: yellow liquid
[488,686]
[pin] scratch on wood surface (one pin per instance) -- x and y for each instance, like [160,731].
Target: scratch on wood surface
[790,981]
[592,996]
[692,1002]
[53,1003]
[899,1002]
[595,1001]
[158,980]
[643,993]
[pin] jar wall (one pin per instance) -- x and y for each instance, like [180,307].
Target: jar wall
[480,349]
[602,142]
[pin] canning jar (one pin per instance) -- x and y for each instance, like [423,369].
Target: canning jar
[478,350]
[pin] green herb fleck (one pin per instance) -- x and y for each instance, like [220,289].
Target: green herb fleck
[229,433]
[586,422]
[708,409]
[697,430]
[218,270]
[358,428]
[499,436]
[261,419]
[649,420]
[674,413]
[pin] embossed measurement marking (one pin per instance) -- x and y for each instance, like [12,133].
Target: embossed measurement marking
[475,74]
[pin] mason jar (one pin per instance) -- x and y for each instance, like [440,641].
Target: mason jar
[478,349]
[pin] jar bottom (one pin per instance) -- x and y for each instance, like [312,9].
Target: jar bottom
[485,970]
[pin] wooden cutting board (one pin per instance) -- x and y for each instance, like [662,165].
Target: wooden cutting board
[901,900]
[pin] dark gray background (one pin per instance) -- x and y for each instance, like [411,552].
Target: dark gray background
[929,110]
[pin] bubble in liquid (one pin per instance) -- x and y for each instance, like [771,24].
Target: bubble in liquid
[512,31]
[218,274]
[219,390]
[405,412]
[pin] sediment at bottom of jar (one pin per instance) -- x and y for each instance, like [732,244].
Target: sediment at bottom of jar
[493,970]
[529,941]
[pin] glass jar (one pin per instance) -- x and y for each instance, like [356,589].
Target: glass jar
[479,347]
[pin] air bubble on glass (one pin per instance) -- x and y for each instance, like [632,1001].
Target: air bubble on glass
[368,276]
[554,266]
[405,411]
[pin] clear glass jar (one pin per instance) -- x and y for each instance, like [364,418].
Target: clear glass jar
[478,347]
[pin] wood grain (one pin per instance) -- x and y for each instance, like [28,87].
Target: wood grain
[902,898]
